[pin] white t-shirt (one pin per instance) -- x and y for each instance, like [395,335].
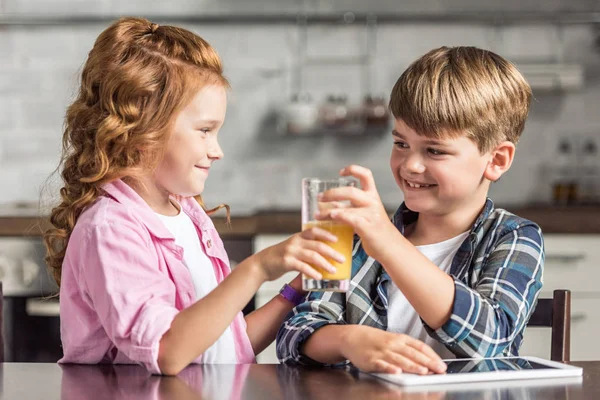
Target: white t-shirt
[402,317]
[203,277]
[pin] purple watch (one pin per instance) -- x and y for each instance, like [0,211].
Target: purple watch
[291,295]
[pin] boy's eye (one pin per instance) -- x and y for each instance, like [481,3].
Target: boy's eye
[435,152]
[205,131]
[400,144]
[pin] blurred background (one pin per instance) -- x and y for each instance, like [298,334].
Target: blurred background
[310,84]
[313,62]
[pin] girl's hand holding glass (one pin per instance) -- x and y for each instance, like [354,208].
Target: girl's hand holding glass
[299,253]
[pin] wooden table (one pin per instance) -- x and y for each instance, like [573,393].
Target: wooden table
[21,381]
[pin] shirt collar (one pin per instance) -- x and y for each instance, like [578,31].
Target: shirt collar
[125,195]
[404,216]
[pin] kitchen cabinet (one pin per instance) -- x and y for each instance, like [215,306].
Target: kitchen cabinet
[269,289]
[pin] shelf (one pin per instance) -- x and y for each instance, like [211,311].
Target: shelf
[342,132]
[504,18]
[552,219]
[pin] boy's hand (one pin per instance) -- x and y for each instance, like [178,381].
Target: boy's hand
[375,350]
[366,214]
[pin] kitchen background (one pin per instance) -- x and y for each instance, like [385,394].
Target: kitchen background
[270,60]
[308,80]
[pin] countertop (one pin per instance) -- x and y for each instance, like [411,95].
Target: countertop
[575,220]
[28,381]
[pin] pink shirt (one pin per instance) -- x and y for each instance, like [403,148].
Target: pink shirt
[123,281]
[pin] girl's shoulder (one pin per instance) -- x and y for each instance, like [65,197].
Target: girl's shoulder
[106,213]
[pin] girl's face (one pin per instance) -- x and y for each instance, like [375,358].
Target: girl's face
[193,145]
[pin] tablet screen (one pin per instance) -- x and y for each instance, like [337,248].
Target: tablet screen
[491,364]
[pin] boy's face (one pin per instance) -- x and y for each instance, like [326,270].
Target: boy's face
[438,176]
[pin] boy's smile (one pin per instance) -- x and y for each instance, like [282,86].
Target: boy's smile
[416,185]
[438,175]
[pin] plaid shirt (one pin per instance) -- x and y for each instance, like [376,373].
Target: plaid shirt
[497,275]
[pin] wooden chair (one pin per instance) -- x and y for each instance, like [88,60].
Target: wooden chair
[555,313]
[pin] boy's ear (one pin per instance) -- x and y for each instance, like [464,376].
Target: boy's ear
[501,160]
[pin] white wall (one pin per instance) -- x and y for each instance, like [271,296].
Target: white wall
[39,68]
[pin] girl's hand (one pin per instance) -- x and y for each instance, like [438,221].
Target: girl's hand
[374,350]
[366,213]
[302,252]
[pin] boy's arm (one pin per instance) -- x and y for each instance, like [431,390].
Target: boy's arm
[320,310]
[470,321]
[428,289]
[485,319]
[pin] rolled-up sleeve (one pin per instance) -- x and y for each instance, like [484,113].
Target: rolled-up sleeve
[134,299]
[486,318]
[319,310]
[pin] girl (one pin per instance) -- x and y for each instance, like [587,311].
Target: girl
[143,274]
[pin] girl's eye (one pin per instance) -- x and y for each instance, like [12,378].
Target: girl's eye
[400,144]
[205,131]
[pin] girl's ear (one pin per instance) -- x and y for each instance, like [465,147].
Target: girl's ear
[502,158]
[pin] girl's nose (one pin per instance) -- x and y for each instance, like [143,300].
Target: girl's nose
[215,151]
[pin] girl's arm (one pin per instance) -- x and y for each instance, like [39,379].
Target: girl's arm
[264,323]
[197,327]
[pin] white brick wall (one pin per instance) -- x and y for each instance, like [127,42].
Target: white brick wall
[39,67]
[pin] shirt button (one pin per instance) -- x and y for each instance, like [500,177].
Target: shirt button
[209,243]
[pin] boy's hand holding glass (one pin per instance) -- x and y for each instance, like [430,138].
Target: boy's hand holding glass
[366,213]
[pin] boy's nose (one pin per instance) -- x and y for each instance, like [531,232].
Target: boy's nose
[414,164]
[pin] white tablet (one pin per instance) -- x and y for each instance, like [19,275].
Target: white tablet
[488,369]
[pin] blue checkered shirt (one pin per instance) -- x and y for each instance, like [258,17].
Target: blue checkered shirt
[497,274]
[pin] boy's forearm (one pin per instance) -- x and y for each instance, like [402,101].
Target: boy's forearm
[428,289]
[326,344]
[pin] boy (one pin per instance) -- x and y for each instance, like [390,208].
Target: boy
[449,275]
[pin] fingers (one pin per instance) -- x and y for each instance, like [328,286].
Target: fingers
[311,250]
[419,362]
[304,268]
[327,205]
[350,217]
[315,233]
[332,197]
[364,175]
[434,362]
[324,250]
[316,260]
[315,238]
[405,363]
[385,367]
[413,355]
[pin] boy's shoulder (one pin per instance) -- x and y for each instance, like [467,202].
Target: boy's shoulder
[500,227]
[500,222]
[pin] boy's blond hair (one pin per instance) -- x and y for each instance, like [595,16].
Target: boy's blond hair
[451,91]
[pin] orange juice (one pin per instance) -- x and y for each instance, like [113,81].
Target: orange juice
[345,235]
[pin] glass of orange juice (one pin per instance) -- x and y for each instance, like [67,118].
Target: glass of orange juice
[340,280]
